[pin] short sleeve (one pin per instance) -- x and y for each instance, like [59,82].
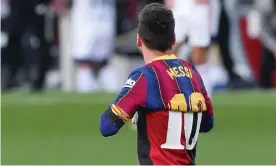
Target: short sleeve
[131,97]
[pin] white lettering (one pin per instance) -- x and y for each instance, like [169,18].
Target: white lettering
[129,83]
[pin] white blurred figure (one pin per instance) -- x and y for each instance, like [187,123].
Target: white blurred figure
[193,20]
[5,11]
[93,33]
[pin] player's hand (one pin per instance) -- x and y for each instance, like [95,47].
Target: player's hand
[135,118]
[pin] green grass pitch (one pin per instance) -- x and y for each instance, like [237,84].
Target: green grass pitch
[58,128]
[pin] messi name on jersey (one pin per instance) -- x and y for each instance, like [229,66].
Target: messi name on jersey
[179,71]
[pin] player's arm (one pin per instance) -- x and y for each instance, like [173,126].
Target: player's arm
[207,122]
[132,96]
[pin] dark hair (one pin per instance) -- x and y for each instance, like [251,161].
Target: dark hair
[156,27]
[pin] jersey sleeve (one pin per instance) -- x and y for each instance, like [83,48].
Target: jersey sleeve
[207,122]
[133,94]
[131,97]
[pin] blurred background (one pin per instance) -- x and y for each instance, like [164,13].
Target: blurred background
[88,48]
[42,42]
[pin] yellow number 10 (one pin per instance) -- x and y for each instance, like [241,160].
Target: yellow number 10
[196,103]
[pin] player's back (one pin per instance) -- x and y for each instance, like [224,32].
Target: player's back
[169,137]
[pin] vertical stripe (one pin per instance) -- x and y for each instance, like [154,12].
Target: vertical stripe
[154,100]
[176,80]
[187,86]
[158,81]
[185,64]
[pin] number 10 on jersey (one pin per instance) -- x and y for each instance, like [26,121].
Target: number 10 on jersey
[191,127]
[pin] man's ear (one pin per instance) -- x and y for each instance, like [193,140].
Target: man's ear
[139,41]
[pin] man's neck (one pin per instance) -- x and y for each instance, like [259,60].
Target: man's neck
[150,55]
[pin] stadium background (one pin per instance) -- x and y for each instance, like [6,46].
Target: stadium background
[60,126]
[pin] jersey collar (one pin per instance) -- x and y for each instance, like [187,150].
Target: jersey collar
[165,57]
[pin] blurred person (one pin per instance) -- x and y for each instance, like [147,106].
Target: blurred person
[25,15]
[192,21]
[222,38]
[93,34]
[267,9]
[208,22]
[167,93]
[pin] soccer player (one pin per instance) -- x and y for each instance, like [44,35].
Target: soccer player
[192,19]
[167,93]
